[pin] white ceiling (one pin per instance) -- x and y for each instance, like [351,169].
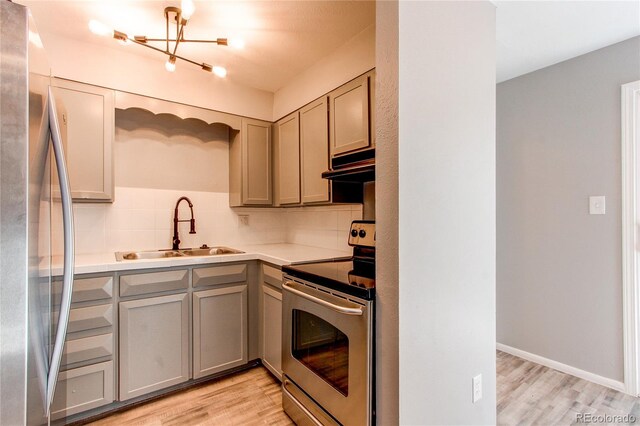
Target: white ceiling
[283,38]
[535,34]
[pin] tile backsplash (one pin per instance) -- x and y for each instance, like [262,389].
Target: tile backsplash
[142,219]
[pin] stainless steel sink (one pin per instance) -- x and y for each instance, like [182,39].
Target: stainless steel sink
[211,251]
[160,254]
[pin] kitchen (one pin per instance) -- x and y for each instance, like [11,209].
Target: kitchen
[215,174]
[236,198]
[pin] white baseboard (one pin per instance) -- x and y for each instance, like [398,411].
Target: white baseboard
[591,377]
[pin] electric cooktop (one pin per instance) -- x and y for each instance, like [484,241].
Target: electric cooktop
[355,276]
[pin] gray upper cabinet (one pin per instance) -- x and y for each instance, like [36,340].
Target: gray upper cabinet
[286,160]
[154,344]
[219,329]
[250,164]
[87,119]
[314,147]
[349,116]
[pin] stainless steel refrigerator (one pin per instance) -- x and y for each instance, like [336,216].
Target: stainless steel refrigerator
[31,151]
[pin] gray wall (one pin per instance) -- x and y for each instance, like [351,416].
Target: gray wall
[446,211]
[559,290]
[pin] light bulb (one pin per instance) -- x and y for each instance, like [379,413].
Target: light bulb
[187,8]
[236,43]
[99,28]
[35,39]
[220,72]
[170,65]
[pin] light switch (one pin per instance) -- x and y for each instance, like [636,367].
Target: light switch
[597,205]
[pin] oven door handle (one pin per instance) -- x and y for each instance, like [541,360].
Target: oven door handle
[290,286]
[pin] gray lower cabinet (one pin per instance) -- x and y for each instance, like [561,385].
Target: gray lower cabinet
[271,318]
[272,330]
[154,344]
[87,377]
[219,329]
[82,389]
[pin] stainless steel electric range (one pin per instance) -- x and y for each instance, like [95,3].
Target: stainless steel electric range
[328,337]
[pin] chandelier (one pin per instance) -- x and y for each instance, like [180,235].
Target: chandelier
[176,19]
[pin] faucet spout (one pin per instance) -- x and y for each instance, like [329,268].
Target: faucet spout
[176,221]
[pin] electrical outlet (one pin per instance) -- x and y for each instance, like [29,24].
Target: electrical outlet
[477,388]
[243,219]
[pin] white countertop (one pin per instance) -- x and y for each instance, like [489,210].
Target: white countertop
[277,254]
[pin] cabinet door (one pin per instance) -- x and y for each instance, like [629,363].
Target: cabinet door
[256,162]
[272,330]
[372,107]
[154,344]
[87,120]
[287,161]
[349,113]
[314,142]
[82,389]
[219,329]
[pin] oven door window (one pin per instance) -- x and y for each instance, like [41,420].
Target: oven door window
[322,348]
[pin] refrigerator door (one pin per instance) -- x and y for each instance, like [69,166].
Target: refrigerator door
[14,262]
[29,360]
[39,245]
[39,212]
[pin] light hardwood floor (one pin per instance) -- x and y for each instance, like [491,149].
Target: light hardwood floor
[527,394]
[531,394]
[252,397]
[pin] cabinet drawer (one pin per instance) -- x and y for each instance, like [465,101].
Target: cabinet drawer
[153,282]
[86,289]
[87,348]
[272,276]
[82,389]
[82,319]
[216,275]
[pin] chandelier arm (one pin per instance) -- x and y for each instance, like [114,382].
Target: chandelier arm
[166,53]
[188,60]
[175,46]
[183,40]
[166,17]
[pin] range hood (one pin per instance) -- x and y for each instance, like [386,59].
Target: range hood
[356,167]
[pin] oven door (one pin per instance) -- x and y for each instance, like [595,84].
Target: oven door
[327,349]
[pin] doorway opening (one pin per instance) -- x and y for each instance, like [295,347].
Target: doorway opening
[631,234]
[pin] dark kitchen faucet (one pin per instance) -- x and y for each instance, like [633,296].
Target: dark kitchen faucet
[176,239]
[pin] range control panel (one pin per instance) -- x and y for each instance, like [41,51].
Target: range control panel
[362,233]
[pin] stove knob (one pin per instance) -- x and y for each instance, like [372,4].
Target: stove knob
[363,233]
[354,233]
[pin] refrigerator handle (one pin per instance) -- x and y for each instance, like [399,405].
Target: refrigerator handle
[67,218]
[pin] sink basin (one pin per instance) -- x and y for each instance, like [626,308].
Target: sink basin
[211,251]
[160,254]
